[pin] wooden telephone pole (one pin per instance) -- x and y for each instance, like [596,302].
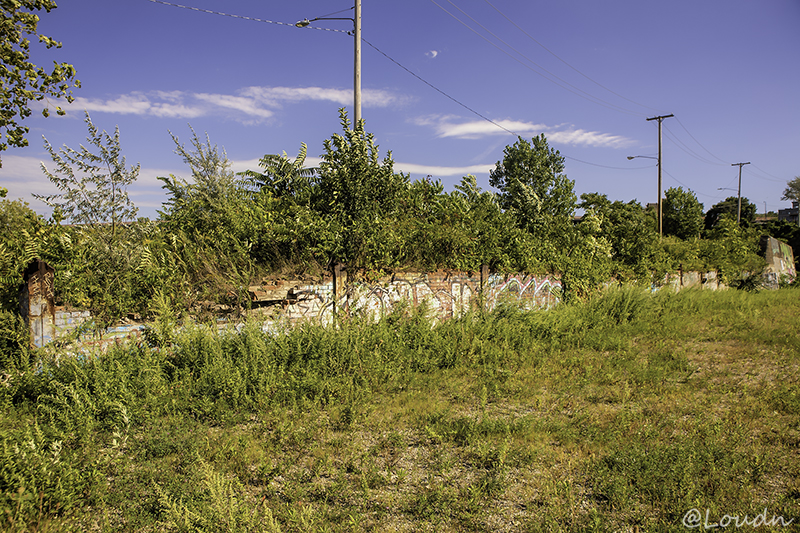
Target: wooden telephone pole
[660,206]
[739,212]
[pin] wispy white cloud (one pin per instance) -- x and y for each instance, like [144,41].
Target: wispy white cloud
[431,170]
[248,106]
[127,104]
[448,126]
[276,96]
[588,138]
[166,110]
[410,168]
[432,54]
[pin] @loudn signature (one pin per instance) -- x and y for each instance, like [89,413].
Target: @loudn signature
[694,518]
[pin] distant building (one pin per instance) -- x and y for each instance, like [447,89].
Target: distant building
[789,215]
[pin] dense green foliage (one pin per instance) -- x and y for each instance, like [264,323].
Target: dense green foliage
[792,191]
[534,188]
[219,232]
[597,412]
[636,252]
[22,81]
[94,183]
[399,422]
[730,207]
[683,213]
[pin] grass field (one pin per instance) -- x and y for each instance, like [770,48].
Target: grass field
[623,413]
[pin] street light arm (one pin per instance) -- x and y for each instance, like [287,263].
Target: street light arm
[305,22]
[356,33]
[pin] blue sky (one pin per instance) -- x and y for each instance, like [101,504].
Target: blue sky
[587,74]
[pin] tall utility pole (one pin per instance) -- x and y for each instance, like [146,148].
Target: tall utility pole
[739,212]
[660,206]
[357,75]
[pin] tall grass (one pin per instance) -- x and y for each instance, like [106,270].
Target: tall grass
[623,411]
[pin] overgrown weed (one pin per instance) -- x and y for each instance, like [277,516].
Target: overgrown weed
[625,411]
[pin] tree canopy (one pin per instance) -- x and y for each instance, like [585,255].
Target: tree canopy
[533,185]
[94,184]
[22,81]
[683,213]
[730,206]
[219,232]
[792,191]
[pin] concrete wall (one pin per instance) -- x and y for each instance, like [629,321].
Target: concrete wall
[780,260]
[449,294]
[684,280]
[446,294]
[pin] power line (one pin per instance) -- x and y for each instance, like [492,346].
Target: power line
[343,31]
[243,17]
[681,145]
[698,142]
[605,166]
[763,178]
[387,56]
[776,178]
[563,61]
[599,100]
[465,106]
[676,180]
[576,90]
[336,12]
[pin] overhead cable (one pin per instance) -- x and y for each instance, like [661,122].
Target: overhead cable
[243,17]
[387,56]
[682,146]
[564,84]
[563,61]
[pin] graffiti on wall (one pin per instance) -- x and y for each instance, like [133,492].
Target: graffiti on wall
[444,294]
[526,291]
[311,302]
[443,298]
[448,295]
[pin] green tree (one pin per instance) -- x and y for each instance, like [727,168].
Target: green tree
[282,177]
[585,261]
[792,190]
[22,81]
[18,246]
[533,186]
[361,194]
[730,248]
[632,233]
[216,218]
[730,206]
[94,183]
[683,213]
[207,204]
